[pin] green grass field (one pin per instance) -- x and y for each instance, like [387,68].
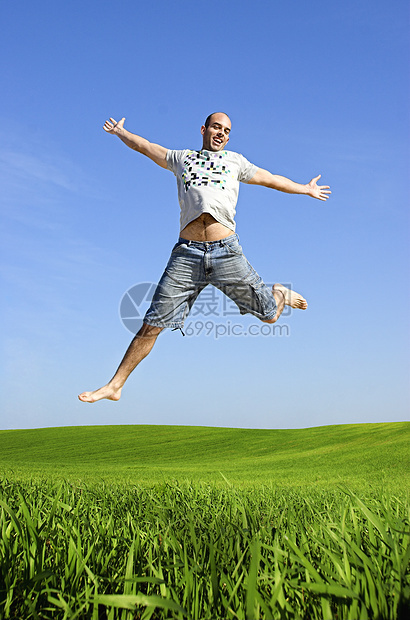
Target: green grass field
[358,455]
[145,522]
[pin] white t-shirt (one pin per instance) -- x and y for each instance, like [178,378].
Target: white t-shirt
[208,182]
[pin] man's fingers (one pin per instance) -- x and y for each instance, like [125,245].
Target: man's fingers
[110,125]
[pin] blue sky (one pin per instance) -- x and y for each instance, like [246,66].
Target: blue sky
[311,88]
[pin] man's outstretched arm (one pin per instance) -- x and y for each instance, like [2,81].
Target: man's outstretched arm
[275,181]
[156,152]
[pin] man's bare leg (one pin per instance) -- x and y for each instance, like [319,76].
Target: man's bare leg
[285,297]
[139,348]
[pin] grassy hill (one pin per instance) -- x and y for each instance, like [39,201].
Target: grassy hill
[357,455]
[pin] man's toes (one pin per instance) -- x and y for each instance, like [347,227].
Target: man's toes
[85,397]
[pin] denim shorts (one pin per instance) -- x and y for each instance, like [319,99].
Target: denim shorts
[195,264]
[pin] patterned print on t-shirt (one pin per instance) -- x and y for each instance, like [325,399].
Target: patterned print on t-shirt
[205,169]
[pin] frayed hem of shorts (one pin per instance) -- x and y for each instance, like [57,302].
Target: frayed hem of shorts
[167,326]
[268,317]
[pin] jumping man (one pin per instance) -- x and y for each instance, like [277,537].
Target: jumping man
[208,250]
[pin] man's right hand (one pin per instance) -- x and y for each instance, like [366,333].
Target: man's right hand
[111,126]
[157,153]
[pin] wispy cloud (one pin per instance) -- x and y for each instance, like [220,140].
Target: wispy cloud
[29,167]
[36,171]
[46,258]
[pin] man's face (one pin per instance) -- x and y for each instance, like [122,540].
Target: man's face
[216,135]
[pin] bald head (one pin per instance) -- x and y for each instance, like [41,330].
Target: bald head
[216,131]
[209,118]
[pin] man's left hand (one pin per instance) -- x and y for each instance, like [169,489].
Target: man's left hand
[321,192]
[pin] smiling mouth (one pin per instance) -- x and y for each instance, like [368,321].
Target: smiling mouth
[217,140]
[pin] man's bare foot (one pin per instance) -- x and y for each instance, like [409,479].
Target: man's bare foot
[107,392]
[292,299]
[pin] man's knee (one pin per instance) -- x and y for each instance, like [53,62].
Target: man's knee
[149,331]
[275,318]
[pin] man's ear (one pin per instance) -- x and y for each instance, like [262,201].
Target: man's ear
[203,129]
